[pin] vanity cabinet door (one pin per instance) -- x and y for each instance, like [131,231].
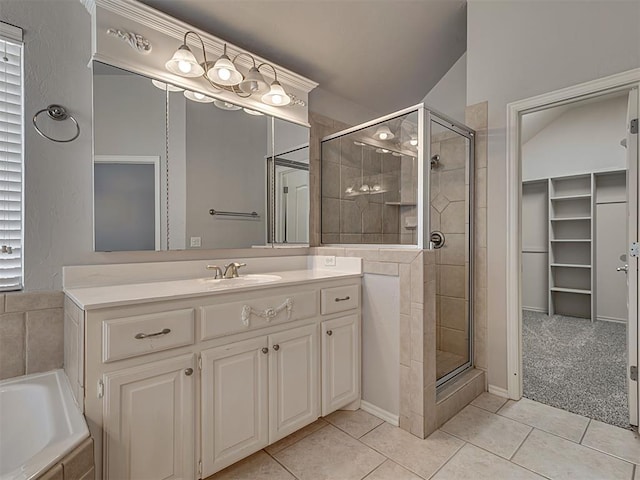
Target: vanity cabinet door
[149,421]
[294,380]
[340,362]
[234,402]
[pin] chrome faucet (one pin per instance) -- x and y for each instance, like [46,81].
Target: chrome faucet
[231,270]
[216,269]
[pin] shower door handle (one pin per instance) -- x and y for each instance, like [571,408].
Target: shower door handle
[624,269]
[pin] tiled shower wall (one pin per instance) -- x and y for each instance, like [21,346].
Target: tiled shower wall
[369,218]
[449,214]
[31,333]
[417,272]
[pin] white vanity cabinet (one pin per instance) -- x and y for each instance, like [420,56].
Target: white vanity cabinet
[181,388]
[148,420]
[256,392]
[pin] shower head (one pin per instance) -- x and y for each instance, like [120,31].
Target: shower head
[435,161]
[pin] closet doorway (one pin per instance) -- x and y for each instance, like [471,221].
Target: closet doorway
[579,201]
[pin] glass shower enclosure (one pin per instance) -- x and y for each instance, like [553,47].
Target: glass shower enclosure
[406,180]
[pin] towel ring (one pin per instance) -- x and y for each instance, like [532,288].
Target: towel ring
[57,113]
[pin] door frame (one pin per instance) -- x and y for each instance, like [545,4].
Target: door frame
[137,160]
[515,110]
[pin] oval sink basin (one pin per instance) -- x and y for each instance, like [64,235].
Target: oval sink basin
[249,279]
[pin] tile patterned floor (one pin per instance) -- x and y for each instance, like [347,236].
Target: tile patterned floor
[492,439]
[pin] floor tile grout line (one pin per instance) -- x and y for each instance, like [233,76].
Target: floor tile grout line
[507,460]
[406,467]
[368,432]
[301,438]
[448,460]
[376,467]
[282,465]
[584,434]
[521,443]
[486,409]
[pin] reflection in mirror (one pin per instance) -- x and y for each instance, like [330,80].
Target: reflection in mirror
[130,159]
[185,173]
[292,196]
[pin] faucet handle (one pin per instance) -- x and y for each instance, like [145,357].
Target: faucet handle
[231,270]
[217,269]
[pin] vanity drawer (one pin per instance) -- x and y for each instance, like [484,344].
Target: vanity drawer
[142,334]
[229,318]
[339,299]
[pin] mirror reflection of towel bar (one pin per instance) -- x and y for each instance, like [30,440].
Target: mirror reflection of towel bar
[234,214]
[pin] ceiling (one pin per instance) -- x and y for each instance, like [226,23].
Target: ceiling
[381,54]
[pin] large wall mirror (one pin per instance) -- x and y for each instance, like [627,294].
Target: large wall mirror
[180,171]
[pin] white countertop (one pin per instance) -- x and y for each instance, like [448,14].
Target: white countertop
[91,298]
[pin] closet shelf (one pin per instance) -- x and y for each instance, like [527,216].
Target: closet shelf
[571,197]
[570,240]
[569,219]
[571,290]
[570,265]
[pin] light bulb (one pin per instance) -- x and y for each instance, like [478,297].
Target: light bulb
[184,67]
[277,99]
[383,136]
[413,142]
[198,95]
[224,74]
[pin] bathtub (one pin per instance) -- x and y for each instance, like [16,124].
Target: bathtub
[39,424]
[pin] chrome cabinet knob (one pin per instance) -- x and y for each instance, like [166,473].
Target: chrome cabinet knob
[188,372]
[329,332]
[265,350]
[276,347]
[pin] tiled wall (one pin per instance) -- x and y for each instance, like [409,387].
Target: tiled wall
[31,333]
[321,127]
[477,117]
[449,214]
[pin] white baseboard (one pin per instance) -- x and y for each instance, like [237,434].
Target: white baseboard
[380,413]
[611,319]
[500,392]
[534,309]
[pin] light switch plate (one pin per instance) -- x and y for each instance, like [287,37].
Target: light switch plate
[196,242]
[330,261]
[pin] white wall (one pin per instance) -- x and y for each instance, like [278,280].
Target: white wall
[227,177]
[516,50]
[449,96]
[583,139]
[380,346]
[59,177]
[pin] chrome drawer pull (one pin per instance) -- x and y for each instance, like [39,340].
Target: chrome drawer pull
[164,331]
[343,299]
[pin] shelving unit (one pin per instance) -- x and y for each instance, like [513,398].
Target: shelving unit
[571,245]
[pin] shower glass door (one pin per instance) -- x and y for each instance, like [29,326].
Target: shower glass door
[451,193]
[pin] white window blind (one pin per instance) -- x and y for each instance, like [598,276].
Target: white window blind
[11,161]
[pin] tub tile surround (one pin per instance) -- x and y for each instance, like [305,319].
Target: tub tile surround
[31,333]
[76,465]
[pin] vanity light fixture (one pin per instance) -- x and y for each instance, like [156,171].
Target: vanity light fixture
[412,142]
[383,133]
[166,86]
[197,97]
[221,104]
[382,150]
[184,62]
[223,74]
[252,112]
